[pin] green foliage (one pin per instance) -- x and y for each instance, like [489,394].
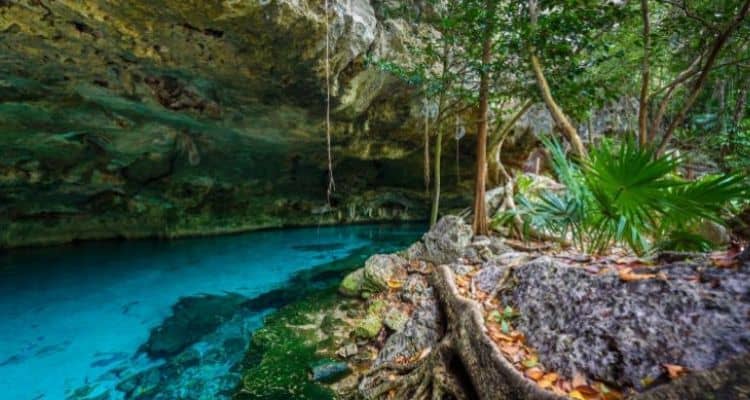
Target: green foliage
[626,195]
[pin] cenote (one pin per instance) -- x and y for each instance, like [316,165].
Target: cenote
[161,319]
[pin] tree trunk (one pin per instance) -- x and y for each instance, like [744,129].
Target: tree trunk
[645,77]
[436,189]
[557,114]
[480,211]
[426,150]
[718,44]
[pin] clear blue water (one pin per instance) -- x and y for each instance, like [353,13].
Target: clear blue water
[75,316]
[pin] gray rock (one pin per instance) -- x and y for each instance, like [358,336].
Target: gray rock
[460,269]
[347,350]
[416,289]
[623,332]
[416,251]
[395,319]
[329,371]
[421,331]
[382,268]
[446,241]
[714,233]
[489,276]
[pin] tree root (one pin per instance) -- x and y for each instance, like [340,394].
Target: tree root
[429,378]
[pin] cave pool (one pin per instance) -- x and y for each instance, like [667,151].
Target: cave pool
[74,318]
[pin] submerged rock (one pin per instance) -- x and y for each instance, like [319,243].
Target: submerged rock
[328,371]
[191,319]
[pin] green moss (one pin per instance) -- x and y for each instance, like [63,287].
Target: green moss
[369,327]
[352,283]
[278,363]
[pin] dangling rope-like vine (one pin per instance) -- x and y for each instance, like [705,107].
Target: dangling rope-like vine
[331,184]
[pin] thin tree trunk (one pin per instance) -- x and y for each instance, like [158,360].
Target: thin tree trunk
[439,127]
[737,116]
[557,114]
[436,190]
[561,120]
[645,77]
[712,56]
[480,212]
[426,150]
[495,163]
[671,89]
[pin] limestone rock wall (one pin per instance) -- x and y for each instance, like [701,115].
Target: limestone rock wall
[166,118]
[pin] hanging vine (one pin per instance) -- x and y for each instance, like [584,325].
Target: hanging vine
[331,184]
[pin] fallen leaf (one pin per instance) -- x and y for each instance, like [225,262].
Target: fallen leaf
[627,275]
[548,380]
[518,336]
[505,327]
[394,284]
[675,371]
[588,391]
[531,362]
[574,394]
[535,373]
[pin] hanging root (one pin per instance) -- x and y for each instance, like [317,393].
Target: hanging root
[429,378]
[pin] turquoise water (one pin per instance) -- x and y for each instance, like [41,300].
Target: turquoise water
[74,318]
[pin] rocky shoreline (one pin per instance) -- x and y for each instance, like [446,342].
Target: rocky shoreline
[472,317]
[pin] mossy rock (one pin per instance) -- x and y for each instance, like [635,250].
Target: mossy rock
[395,319]
[369,326]
[352,284]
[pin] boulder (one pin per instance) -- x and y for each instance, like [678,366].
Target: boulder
[328,371]
[714,233]
[369,327]
[446,241]
[347,350]
[395,319]
[352,284]
[624,332]
[489,276]
[381,269]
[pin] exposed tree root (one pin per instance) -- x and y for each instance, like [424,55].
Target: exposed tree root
[466,364]
[428,378]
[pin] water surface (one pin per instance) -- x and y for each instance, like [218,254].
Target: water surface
[74,317]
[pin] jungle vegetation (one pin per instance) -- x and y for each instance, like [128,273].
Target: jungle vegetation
[684,64]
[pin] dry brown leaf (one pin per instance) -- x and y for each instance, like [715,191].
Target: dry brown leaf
[627,275]
[394,284]
[574,394]
[548,380]
[518,336]
[675,371]
[588,391]
[535,373]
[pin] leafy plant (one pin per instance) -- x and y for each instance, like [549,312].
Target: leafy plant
[625,194]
